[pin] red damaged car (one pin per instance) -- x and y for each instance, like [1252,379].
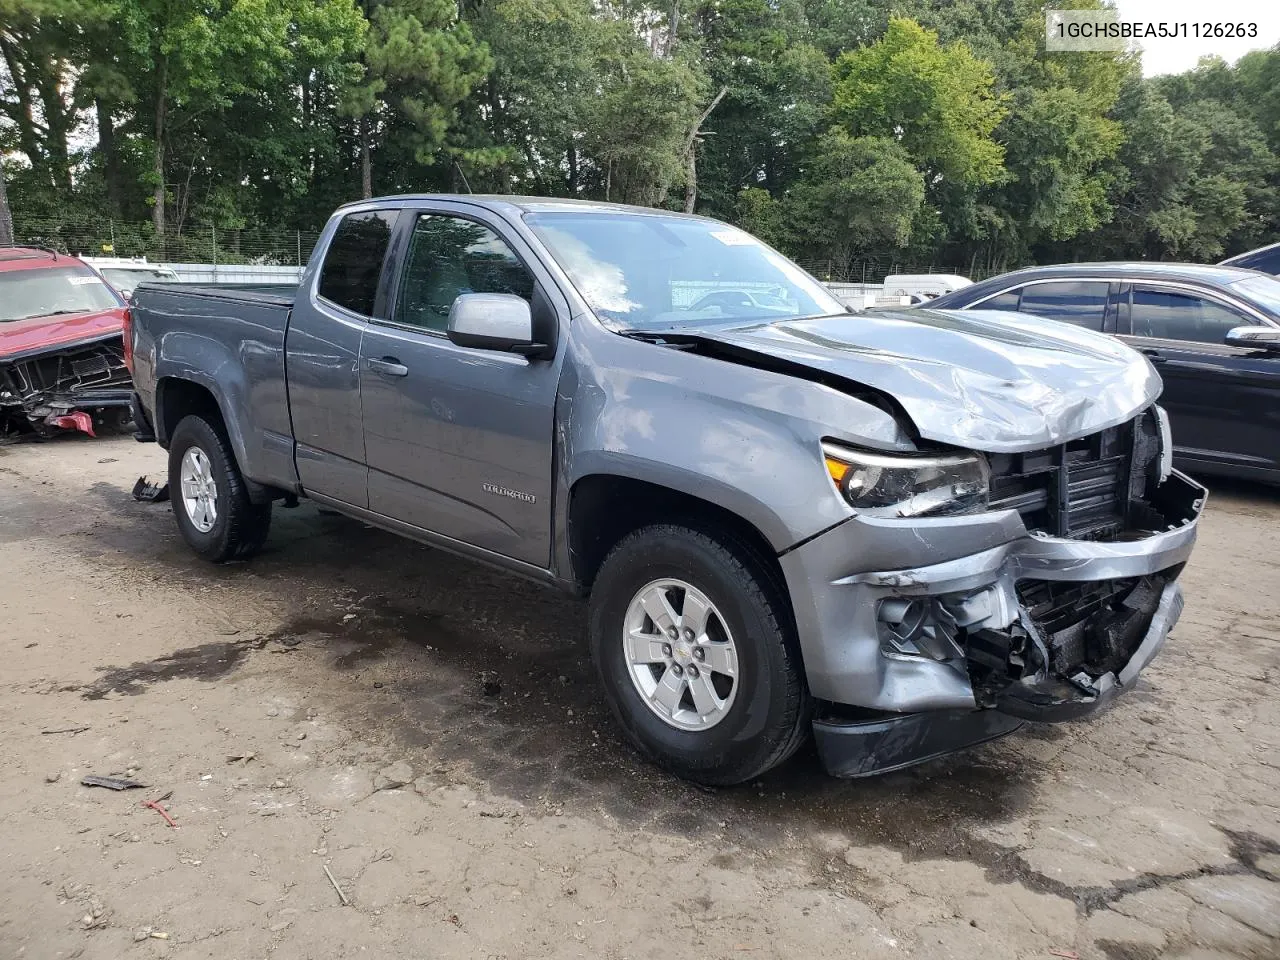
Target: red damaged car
[62,364]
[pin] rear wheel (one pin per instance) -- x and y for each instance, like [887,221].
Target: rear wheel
[210,503]
[695,650]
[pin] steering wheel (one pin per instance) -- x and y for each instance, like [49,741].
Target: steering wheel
[722,298]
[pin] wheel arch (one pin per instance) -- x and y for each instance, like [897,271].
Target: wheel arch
[603,508]
[178,397]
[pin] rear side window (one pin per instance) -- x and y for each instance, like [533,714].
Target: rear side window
[1082,303]
[1267,260]
[1181,316]
[1006,301]
[353,262]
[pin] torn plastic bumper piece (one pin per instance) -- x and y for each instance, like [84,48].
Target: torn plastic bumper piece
[146,492]
[73,420]
[853,746]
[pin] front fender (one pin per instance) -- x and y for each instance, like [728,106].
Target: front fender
[744,438]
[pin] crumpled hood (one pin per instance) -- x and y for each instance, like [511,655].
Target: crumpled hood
[986,380]
[22,337]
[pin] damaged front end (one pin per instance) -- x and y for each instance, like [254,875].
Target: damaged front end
[64,387]
[1071,594]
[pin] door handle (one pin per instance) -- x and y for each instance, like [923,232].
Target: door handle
[1155,356]
[389,366]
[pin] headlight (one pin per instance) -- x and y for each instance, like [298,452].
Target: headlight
[903,485]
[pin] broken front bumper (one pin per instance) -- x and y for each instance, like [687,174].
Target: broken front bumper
[61,387]
[973,614]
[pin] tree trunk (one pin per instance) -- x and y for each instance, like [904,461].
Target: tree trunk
[366,165]
[157,212]
[28,139]
[691,182]
[6,215]
[110,159]
[58,121]
[689,145]
[573,169]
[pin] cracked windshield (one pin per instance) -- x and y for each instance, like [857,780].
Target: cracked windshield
[643,272]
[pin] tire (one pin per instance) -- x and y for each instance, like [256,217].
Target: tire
[767,712]
[239,527]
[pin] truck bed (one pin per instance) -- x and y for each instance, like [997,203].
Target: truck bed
[230,339]
[280,294]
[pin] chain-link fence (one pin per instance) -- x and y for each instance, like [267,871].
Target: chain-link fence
[872,271]
[184,243]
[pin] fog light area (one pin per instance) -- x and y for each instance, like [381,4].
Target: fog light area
[932,627]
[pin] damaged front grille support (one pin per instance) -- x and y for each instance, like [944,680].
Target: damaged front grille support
[1091,488]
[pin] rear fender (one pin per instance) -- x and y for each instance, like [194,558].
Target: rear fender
[192,357]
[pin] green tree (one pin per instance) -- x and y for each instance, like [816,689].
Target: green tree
[188,59]
[777,92]
[421,62]
[1169,204]
[937,101]
[637,126]
[526,125]
[858,195]
[42,45]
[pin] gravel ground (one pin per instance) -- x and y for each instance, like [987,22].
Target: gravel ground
[429,733]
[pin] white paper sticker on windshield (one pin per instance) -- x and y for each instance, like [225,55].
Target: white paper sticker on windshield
[81,281]
[734,238]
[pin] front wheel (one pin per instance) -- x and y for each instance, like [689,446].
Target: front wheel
[694,648]
[214,513]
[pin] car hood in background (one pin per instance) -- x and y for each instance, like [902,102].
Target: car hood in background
[983,379]
[20,337]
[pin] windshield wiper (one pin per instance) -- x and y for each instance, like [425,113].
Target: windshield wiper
[53,313]
[676,339]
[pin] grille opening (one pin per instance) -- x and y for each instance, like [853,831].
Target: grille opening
[1087,489]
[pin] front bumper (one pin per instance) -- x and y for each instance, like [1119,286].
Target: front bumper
[975,574]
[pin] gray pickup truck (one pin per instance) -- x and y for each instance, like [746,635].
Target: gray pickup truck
[907,532]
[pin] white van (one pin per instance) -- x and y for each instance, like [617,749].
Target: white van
[927,285]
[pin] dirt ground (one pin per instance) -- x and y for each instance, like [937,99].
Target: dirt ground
[430,733]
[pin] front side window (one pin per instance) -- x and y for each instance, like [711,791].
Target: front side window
[51,292]
[649,271]
[353,262]
[1168,315]
[1082,303]
[447,257]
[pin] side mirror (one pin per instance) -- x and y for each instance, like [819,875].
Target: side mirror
[493,321]
[1255,338]
[127,294]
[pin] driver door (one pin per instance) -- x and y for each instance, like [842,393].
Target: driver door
[459,440]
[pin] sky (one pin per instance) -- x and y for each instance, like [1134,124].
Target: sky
[1177,55]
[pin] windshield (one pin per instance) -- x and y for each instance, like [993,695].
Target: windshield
[1263,291]
[126,278]
[649,271]
[52,290]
